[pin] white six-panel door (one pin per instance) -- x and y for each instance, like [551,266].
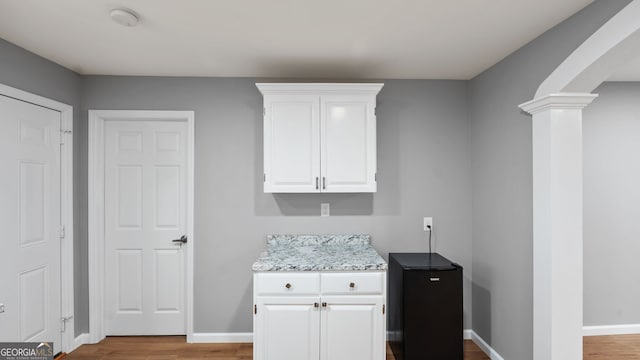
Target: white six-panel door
[30,219]
[145,209]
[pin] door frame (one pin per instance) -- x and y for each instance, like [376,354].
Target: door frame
[66,206]
[96,186]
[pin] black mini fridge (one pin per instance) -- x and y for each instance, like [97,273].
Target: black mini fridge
[425,307]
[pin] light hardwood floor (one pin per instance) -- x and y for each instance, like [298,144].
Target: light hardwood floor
[619,347]
[615,347]
[175,348]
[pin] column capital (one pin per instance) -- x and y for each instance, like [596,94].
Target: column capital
[558,101]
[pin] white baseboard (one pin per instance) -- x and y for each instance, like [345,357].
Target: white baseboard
[492,354]
[80,340]
[221,338]
[625,329]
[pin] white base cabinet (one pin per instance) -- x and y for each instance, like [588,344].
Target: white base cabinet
[320,316]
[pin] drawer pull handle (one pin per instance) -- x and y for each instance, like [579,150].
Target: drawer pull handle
[288,286]
[352,285]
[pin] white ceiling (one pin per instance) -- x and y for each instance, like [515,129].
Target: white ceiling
[418,39]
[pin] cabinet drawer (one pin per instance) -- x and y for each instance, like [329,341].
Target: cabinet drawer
[352,283]
[283,283]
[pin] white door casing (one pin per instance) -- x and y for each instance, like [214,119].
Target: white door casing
[30,212]
[145,209]
[141,198]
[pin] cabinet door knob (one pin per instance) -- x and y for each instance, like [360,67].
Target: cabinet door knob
[352,285]
[288,286]
[315,305]
[324,304]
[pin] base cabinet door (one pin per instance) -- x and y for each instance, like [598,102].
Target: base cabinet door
[352,328]
[288,328]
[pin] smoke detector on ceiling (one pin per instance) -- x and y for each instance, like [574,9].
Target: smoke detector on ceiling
[125,17]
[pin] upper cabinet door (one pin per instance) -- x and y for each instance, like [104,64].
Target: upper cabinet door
[291,143]
[348,143]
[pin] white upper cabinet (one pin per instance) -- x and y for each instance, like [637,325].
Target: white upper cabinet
[319,137]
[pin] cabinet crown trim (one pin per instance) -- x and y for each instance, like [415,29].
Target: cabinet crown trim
[319,88]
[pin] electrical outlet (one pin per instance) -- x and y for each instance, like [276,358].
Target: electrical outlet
[1,308]
[324,209]
[428,223]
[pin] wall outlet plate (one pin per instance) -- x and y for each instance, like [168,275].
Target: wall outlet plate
[1,308]
[325,209]
[428,221]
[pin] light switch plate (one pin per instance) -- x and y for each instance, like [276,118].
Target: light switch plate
[324,209]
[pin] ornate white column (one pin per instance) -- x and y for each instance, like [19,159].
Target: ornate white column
[557,224]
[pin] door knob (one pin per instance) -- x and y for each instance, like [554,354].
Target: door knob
[182,240]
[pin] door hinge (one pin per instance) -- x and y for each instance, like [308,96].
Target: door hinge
[264,177]
[375,177]
[62,232]
[255,309]
[63,323]
[383,308]
[264,111]
[62,135]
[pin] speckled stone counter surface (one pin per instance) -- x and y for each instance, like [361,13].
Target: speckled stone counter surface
[319,253]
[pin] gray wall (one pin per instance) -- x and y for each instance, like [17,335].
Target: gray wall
[502,181]
[26,71]
[423,170]
[611,133]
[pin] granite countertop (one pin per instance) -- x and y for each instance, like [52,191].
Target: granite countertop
[319,253]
